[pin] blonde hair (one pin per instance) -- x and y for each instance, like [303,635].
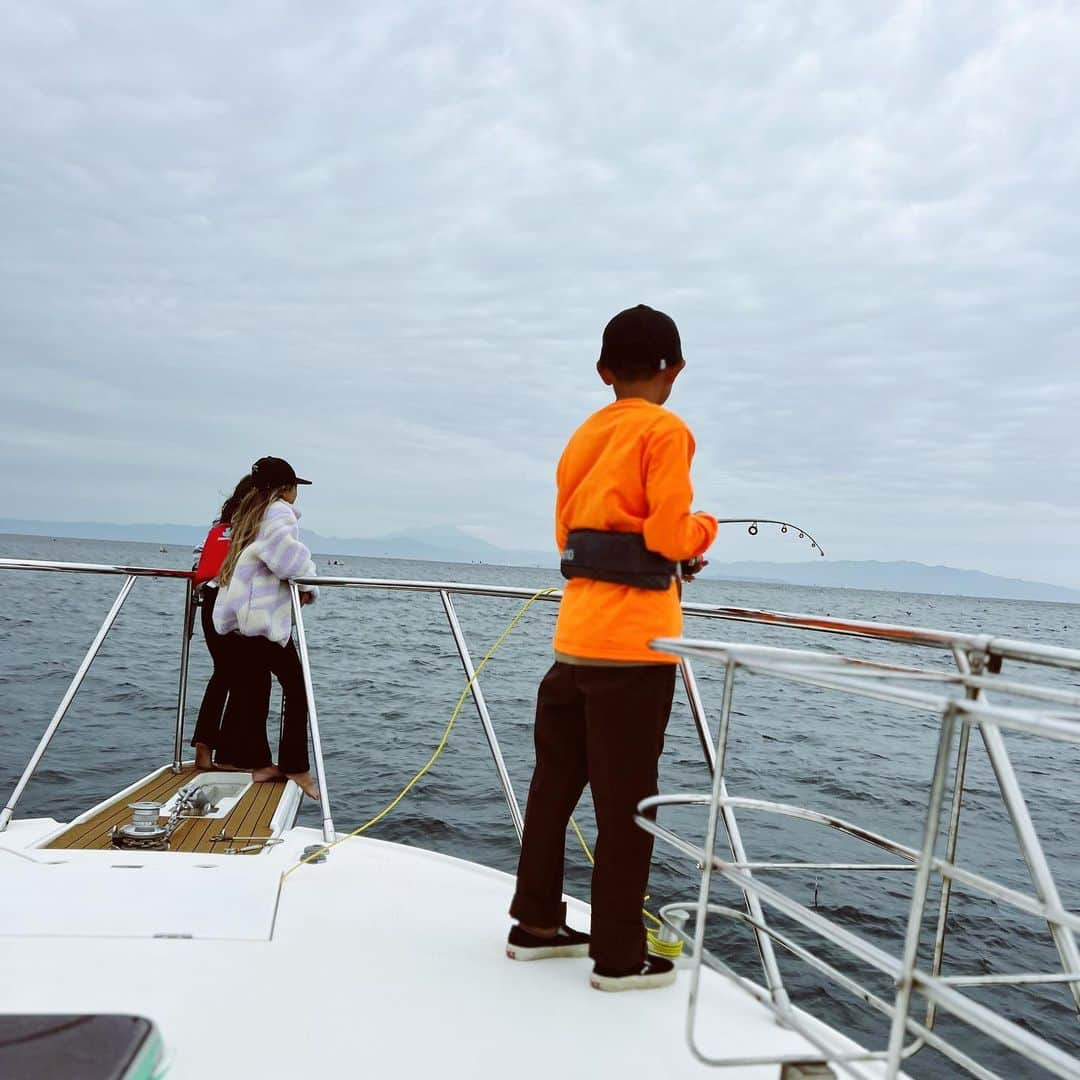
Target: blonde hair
[246,520]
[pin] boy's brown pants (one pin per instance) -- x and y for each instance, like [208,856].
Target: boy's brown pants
[604,726]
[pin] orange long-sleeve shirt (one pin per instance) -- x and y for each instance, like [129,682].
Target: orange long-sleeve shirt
[627,469]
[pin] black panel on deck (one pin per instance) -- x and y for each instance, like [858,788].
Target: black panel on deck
[63,1047]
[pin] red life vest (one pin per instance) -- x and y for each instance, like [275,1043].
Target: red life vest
[215,548]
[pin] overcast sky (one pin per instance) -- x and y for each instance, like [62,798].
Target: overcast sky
[382,240]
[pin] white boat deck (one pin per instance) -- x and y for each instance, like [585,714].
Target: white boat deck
[384,961]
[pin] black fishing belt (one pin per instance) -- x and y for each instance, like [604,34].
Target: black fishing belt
[619,557]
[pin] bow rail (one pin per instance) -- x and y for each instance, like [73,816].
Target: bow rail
[962,705]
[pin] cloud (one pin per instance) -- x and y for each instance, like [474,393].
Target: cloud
[384,241]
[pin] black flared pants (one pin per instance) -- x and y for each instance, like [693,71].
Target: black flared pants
[224,650]
[243,740]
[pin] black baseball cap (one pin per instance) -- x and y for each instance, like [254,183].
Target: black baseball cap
[641,340]
[274,472]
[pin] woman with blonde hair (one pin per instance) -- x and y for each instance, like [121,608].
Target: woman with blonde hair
[255,603]
[222,649]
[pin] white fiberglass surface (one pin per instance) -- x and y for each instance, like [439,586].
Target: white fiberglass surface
[384,961]
[123,894]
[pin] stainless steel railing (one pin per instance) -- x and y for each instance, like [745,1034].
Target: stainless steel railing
[979,660]
[65,702]
[131,573]
[1055,714]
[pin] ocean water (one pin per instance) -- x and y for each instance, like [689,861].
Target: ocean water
[387,675]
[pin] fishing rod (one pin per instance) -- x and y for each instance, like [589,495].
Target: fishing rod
[754,523]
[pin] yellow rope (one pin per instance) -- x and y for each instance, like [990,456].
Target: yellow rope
[322,849]
[656,945]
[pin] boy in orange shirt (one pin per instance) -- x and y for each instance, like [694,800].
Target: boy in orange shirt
[623,523]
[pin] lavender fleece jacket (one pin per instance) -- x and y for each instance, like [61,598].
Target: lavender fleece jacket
[256,601]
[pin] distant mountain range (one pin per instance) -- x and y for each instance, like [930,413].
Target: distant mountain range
[453,545]
[909,577]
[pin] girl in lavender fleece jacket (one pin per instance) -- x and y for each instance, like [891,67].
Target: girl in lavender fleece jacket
[255,604]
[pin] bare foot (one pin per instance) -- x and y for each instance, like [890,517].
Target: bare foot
[266,775]
[203,758]
[306,783]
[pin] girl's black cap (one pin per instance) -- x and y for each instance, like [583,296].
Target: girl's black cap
[274,472]
[641,339]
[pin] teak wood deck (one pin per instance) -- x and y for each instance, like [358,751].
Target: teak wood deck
[250,817]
